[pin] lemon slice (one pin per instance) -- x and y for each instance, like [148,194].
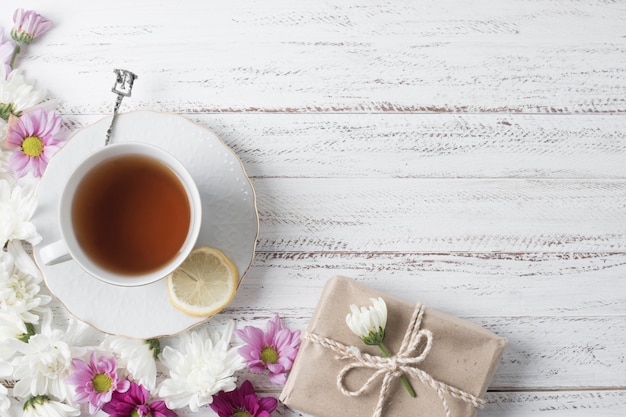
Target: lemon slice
[204,283]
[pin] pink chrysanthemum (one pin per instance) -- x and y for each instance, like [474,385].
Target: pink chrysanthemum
[96,381]
[134,403]
[28,25]
[243,402]
[34,136]
[274,350]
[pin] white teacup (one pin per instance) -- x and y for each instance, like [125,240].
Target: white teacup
[129,215]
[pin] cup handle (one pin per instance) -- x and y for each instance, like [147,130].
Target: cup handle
[54,253]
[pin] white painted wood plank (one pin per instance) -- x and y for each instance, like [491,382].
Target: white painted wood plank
[555,404]
[419,145]
[526,404]
[464,215]
[462,284]
[348,56]
[514,404]
[424,145]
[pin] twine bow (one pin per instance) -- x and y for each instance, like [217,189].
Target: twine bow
[393,367]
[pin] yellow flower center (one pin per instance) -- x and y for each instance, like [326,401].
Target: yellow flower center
[136,413]
[241,413]
[269,355]
[102,383]
[32,146]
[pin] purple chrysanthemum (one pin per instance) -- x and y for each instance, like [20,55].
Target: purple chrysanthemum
[96,381]
[134,402]
[28,25]
[273,350]
[34,136]
[243,402]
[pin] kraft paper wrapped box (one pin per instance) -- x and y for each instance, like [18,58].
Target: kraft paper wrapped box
[460,362]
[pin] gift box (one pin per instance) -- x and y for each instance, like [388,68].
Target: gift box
[448,361]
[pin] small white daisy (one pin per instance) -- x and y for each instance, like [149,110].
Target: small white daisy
[202,365]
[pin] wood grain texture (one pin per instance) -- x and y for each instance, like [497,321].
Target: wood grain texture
[417,145]
[469,155]
[515,404]
[463,284]
[451,215]
[561,56]
[535,404]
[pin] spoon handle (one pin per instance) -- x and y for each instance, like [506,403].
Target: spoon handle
[123,87]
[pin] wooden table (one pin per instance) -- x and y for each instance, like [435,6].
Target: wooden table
[467,154]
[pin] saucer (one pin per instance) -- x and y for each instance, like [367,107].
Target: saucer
[230,222]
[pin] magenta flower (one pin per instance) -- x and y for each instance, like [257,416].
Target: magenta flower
[134,403]
[34,136]
[243,402]
[28,25]
[274,350]
[96,381]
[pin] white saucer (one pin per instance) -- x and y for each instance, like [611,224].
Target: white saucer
[229,222]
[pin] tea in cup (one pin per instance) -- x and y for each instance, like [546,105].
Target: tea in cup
[129,215]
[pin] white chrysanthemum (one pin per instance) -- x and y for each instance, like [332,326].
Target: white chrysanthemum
[20,292]
[17,94]
[11,327]
[136,356]
[17,206]
[203,365]
[6,370]
[45,361]
[369,322]
[42,406]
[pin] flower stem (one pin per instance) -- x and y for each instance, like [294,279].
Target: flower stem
[405,382]
[16,52]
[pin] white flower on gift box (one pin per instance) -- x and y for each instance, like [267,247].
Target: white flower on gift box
[43,406]
[203,365]
[44,363]
[136,356]
[17,206]
[20,292]
[369,322]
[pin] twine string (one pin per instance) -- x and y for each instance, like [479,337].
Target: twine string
[395,366]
